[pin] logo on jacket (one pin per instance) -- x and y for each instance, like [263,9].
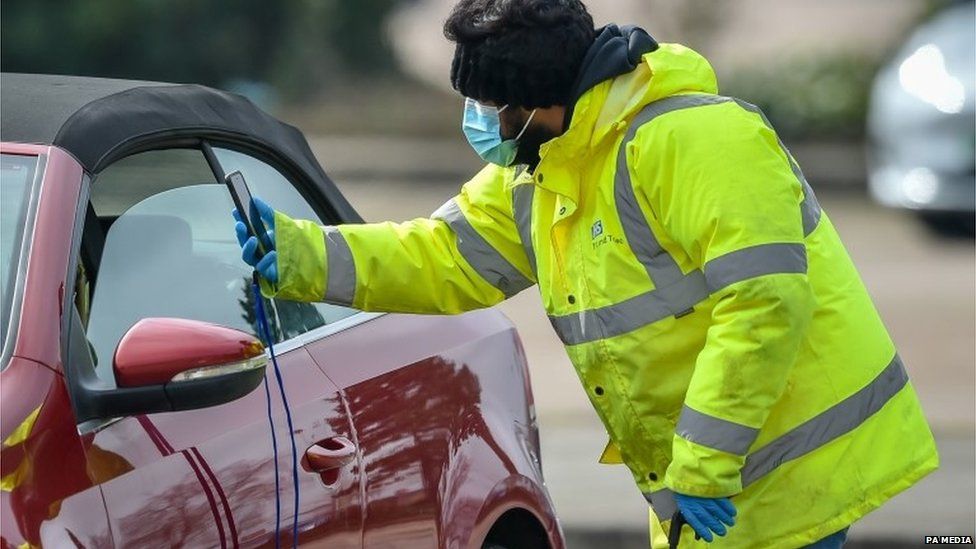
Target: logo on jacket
[599,238]
[597,229]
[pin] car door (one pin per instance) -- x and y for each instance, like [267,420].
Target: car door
[404,397]
[159,242]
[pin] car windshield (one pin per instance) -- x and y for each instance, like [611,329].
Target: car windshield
[16,178]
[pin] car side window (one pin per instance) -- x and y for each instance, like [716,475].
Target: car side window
[269,184]
[170,251]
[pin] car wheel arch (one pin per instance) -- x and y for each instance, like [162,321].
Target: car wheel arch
[507,508]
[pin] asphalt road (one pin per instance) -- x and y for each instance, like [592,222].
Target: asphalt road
[924,286]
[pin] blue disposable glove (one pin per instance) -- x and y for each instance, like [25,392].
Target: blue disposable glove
[706,515]
[267,267]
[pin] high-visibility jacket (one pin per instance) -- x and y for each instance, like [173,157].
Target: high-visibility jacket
[716,322]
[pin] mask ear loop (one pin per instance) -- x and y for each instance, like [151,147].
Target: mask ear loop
[526,126]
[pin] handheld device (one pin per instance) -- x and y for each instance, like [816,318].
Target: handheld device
[249,213]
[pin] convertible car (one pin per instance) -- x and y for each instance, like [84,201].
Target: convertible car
[129,392]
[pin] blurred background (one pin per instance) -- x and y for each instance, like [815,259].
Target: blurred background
[874,97]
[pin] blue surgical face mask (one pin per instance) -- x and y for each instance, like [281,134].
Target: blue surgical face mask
[482,128]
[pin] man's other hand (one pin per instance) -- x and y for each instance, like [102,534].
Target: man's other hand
[706,515]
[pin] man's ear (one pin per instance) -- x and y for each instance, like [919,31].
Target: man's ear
[551,118]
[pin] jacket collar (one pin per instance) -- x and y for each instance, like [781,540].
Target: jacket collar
[605,108]
[615,51]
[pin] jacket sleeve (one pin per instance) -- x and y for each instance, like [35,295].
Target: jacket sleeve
[466,256]
[723,190]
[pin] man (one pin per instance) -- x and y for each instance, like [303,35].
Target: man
[718,326]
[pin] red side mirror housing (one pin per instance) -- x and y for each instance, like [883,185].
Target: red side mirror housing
[157,351]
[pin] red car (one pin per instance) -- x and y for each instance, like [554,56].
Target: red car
[130,361]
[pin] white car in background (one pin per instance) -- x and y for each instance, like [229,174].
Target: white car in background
[921,123]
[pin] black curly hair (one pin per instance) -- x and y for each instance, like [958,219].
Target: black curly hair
[525,53]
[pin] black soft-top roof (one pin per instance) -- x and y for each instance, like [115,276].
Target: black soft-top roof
[99,120]
[36,106]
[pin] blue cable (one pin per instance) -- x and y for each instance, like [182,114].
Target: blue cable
[274,447]
[263,323]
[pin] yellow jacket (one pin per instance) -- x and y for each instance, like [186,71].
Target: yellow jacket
[716,322]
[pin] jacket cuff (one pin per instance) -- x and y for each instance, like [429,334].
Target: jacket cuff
[697,470]
[267,290]
[301,260]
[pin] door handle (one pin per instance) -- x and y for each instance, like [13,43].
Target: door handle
[327,454]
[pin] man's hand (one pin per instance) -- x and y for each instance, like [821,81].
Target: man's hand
[267,267]
[706,515]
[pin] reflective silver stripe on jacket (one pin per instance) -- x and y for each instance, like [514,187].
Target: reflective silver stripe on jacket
[676,293]
[692,288]
[717,433]
[815,433]
[661,267]
[522,196]
[481,255]
[837,420]
[341,274]
[631,314]
[663,503]
[755,261]
[810,207]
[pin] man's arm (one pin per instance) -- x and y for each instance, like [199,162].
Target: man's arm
[467,255]
[724,191]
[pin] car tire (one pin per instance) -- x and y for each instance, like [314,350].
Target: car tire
[950,224]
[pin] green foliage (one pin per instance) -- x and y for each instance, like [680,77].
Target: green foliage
[296,45]
[810,97]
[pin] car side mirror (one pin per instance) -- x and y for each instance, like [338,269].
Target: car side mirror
[167,365]
[198,363]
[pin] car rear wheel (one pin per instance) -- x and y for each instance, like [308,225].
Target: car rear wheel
[950,224]
[516,529]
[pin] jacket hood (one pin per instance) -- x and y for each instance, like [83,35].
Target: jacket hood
[606,106]
[615,51]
